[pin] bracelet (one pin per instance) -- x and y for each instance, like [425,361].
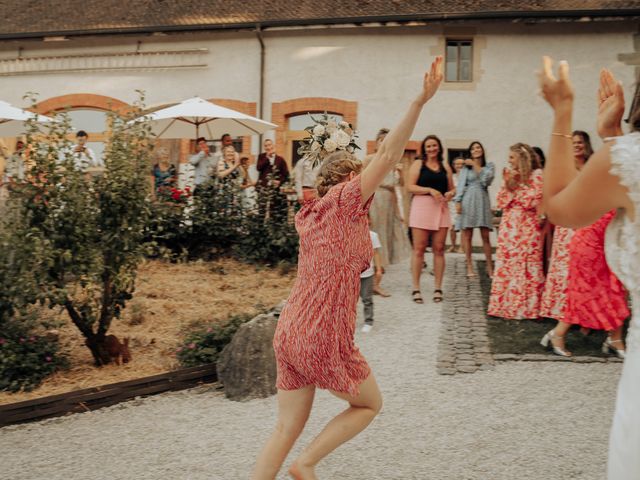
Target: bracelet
[555,134]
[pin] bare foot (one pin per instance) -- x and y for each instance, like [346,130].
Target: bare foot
[381,292]
[299,472]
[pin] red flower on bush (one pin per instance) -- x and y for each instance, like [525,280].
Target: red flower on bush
[178,195]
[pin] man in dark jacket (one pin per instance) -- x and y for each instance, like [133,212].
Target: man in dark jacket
[272,168]
[273,173]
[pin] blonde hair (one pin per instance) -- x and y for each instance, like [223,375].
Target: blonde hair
[526,160]
[335,169]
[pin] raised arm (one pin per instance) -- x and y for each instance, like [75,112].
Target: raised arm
[462,184]
[571,199]
[262,163]
[486,175]
[392,148]
[195,159]
[224,171]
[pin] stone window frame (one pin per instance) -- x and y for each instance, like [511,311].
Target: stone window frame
[281,111]
[479,45]
[459,44]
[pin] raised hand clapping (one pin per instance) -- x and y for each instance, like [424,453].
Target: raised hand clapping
[557,92]
[610,105]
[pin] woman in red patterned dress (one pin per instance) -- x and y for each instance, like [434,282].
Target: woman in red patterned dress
[554,296]
[592,296]
[518,276]
[596,298]
[314,342]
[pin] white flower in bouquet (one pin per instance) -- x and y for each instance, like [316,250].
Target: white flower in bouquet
[342,139]
[332,126]
[316,146]
[318,130]
[330,145]
[344,124]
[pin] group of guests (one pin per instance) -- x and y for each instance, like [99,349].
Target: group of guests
[540,271]
[227,166]
[578,287]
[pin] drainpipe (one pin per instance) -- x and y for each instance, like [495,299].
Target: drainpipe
[261,92]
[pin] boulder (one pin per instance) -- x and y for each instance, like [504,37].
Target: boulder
[247,365]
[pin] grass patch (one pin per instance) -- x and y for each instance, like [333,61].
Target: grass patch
[523,336]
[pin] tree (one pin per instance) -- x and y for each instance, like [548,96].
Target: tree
[91,229]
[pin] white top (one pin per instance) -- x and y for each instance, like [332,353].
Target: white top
[305,175]
[86,158]
[375,241]
[14,168]
[622,246]
[204,166]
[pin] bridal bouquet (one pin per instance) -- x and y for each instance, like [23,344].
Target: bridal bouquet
[325,137]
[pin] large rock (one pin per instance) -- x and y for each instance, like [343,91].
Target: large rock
[247,366]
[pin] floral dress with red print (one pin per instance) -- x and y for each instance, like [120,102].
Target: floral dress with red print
[596,298]
[314,342]
[554,295]
[518,277]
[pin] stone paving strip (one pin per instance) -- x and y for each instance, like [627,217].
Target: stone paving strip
[464,346]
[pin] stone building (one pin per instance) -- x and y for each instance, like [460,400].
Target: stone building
[360,60]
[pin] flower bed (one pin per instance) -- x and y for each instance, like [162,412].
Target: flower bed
[171,300]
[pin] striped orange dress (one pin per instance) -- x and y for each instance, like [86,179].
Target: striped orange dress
[314,342]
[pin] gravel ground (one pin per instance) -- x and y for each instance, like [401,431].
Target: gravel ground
[519,421]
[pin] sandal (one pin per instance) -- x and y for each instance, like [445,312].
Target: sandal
[417,297]
[437,296]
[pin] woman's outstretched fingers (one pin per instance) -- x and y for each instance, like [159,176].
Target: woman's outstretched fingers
[432,79]
[563,71]
[547,69]
[557,92]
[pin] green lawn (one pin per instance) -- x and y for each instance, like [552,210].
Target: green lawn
[523,336]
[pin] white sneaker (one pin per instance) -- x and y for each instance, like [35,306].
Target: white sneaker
[366,328]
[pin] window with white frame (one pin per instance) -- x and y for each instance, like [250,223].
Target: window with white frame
[459,60]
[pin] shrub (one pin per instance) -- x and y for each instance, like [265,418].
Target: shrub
[271,238]
[217,223]
[203,346]
[26,359]
[89,232]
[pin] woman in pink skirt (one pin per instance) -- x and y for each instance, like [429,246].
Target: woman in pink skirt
[431,183]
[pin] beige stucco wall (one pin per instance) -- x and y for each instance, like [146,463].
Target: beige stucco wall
[380,68]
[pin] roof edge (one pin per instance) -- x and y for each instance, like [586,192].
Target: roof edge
[577,15]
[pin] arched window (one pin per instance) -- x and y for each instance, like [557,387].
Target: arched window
[292,116]
[94,122]
[296,132]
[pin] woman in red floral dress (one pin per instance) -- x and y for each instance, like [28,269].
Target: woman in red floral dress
[554,295]
[596,298]
[518,276]
[314,342]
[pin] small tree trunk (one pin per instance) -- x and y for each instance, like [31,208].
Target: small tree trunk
[98,350]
